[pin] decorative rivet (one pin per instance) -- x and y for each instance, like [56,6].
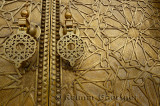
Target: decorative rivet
[58,96]
[39,86]
[43,15]
[58,74]
[41,55]
[39,99]
[58,85]
[41,46]
[43,23]
[41,60]
[39,81]
[58,90]
[42,42]
[40,65]
[58,79]
[39,76]
[58,102]
[41,50]
[58,65]
[42,26]
[39,93]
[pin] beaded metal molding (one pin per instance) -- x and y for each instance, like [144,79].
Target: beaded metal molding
[48,82]
[43,71]
[55,74]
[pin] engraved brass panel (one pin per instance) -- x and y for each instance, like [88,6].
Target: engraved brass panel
[121,63]
[18,85]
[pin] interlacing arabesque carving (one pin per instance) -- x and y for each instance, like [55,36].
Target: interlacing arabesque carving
[18,84]
[122,57]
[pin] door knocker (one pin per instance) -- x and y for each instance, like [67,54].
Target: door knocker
[70,46]
[21,46]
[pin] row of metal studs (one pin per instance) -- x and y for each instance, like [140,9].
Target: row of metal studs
[41,54]
[58,76]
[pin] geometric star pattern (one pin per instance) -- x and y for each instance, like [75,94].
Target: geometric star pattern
[122,53]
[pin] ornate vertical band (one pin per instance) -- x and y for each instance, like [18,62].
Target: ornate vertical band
[43,71]
[55,74]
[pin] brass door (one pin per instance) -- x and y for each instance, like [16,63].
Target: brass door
[118,66]
[18,86]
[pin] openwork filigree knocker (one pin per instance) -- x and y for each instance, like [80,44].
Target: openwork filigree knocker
[70,46]
[21,46]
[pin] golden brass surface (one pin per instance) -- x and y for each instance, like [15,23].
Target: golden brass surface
[119,66]
[18,85]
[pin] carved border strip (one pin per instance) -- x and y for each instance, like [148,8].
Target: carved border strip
[55,92]
[43,70]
